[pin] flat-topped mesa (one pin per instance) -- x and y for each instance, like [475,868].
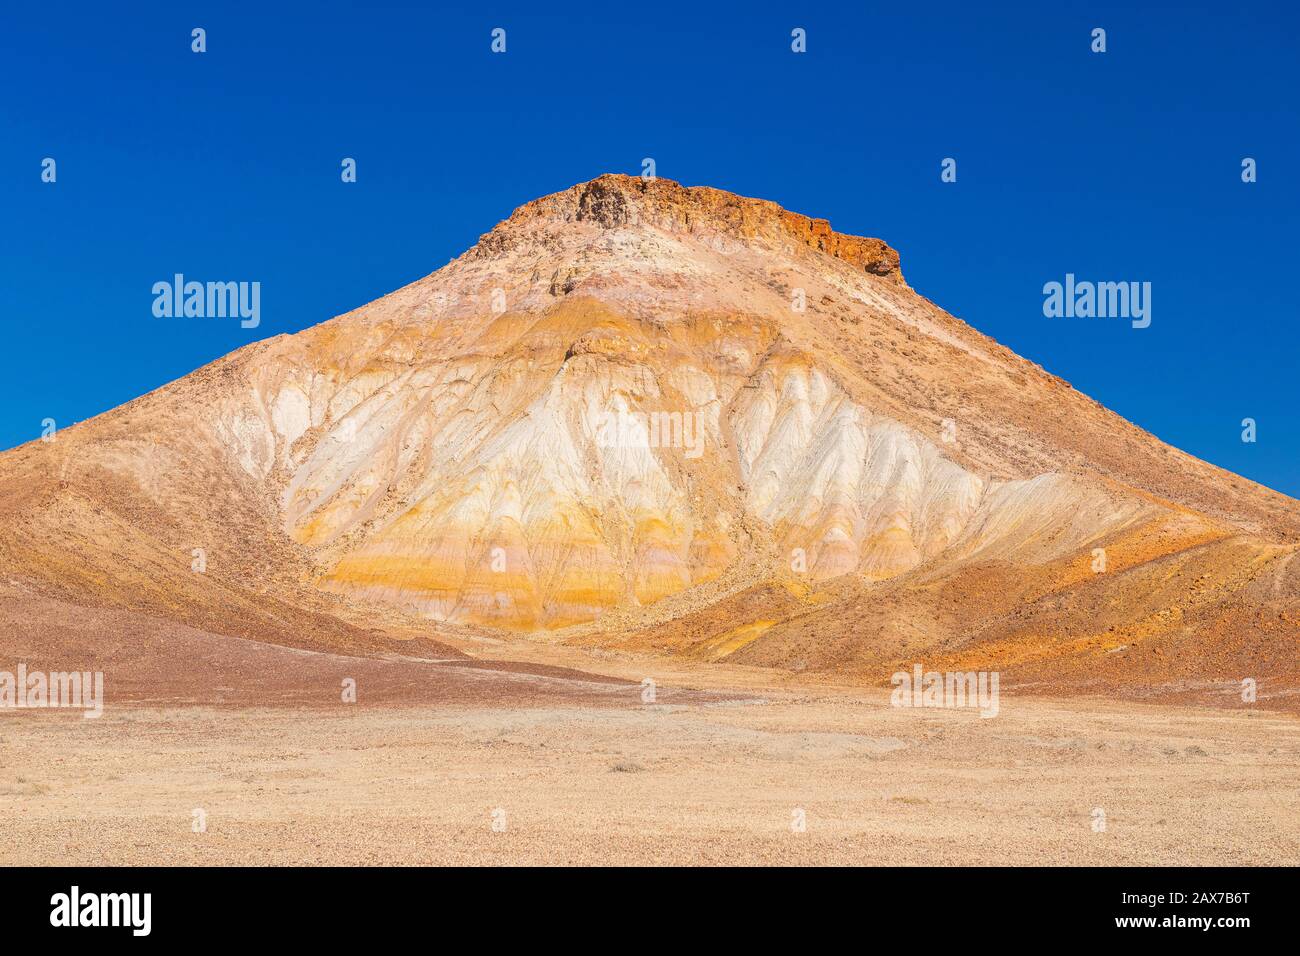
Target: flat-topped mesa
[615,200]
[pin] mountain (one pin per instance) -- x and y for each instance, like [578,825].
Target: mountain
[643,416]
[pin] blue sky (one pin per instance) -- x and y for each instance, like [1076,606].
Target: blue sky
[225,165]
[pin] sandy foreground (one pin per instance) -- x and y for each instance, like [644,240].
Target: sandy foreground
[601,777]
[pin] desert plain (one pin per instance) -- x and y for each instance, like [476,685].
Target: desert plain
[504,759]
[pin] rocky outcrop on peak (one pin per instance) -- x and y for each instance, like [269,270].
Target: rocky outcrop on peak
[613,201]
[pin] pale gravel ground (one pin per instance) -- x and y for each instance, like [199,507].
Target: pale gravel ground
[669,784]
